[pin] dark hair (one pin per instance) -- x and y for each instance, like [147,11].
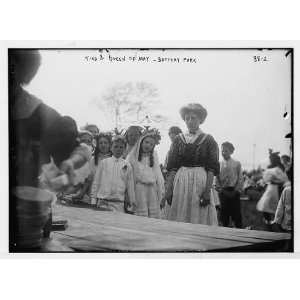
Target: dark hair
[289,173]
[23,65]
[285,158]
[275,161]
[119,138]
[175,129]
[61,138]
[151,153]
[97,149]
[91,125]
[196,108]
[229,146]
[135,127]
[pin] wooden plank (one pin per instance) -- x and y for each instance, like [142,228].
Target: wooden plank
[130,221]
[105,231]
[124,239]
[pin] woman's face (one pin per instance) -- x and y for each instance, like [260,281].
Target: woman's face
[132,136]
[192,122]
[148,144]
[103,144]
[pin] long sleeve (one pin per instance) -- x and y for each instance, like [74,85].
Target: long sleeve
[173,156]
[213,164]
[166,160]
[83,151]
[159,177]
[97,181]
[280,209]
[130,190]
[240,181]
[217,183]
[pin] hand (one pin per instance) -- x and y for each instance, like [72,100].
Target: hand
[78,196]
[93,201]
[205,198]
[218,189]
[98,203]
[67,167]
[127,205]
[169,200]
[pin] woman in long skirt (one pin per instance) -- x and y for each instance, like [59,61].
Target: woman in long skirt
[195,158]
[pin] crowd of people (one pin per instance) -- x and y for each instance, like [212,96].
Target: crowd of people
[192,185]
[121,172]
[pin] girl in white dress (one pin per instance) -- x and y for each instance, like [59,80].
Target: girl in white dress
[275,178]
[103,148]
[149,181]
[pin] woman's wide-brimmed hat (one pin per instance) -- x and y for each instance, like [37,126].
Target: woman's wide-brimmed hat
[196,108]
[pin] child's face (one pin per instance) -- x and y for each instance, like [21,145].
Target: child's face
[93,130]
[103,144]
[148,144]
[132,136]
[117,149]
[86,139]
[226,153]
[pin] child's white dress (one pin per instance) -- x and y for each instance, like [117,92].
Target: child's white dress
[149,183]
[269,200]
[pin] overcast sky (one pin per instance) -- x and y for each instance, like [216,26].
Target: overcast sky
[245,99]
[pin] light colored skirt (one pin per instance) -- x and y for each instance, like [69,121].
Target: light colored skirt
[147,202]
[269,200]
[189,185]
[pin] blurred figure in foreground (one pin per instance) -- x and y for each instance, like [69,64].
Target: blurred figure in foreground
[39,135]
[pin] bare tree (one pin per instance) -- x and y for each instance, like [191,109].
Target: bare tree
[116,101]
[144,97]
[129,102]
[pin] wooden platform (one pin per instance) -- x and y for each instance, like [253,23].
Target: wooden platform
[97,231]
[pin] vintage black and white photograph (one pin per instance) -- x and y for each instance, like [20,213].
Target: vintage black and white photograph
[150,150]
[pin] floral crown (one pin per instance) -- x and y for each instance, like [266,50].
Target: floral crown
[152,132]
[108,135]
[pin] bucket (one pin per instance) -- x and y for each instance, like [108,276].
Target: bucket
[31,211]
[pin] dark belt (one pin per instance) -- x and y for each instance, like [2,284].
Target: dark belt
[193,166]
[229,189]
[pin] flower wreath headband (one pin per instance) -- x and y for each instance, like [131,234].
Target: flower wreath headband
[154,133]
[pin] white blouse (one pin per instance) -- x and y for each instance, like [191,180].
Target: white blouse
[113,178]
